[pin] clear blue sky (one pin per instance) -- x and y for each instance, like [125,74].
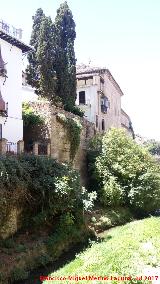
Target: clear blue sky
[122,35]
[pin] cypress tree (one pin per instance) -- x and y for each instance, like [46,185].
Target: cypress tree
[32,68]
[65,56]
[46,60]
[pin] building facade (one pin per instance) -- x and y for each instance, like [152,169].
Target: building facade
[99,96]
[126,123]
[11,51]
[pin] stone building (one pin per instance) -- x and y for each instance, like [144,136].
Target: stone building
[99,96]
[126,122]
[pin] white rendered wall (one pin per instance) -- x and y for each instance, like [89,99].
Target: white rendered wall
[113,116]
[12,126]
[91,101]
[28,94]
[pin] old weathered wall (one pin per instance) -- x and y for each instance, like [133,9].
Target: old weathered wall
[60,143]
[56,133]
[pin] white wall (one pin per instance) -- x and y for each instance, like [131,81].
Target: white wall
[12,126]
[28,94]
[113,116]
[91,107]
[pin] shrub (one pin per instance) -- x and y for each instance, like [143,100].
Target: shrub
[42,186]
[19,274]
[128,173]
[75,110]
[152,146]
[94,150]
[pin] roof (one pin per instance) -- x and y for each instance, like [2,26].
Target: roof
[84,69]
[14,41]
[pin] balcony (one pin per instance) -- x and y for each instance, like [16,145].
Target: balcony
[104,104]
[104,108]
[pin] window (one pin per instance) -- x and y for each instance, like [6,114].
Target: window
[103,125]
[82,99]
[0,131]
[104,104]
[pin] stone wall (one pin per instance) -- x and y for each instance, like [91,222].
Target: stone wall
[56,133]
[60,144]
[38,133]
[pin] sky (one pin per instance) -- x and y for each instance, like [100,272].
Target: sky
[121,35]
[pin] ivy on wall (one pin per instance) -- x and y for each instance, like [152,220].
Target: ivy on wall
[30,117]
[74,128]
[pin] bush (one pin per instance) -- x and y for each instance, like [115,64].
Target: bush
[42,186]
[75,110]
[19,274]
[94,150]
[152,146]
[129,174]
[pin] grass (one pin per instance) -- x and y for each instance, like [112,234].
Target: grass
[130,250]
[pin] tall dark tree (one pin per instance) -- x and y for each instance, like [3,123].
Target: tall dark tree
[65,56]
[32,68]
[45,56]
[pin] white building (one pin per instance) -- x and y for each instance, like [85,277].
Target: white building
[99,96]
[11,51]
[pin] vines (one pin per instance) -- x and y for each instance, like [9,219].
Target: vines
[30,117]
[74,128]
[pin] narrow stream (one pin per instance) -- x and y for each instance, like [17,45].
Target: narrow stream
[66,257]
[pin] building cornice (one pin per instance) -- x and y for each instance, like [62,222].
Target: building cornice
[15,42]
[98,71]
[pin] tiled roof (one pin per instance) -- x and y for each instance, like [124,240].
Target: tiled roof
[84,69]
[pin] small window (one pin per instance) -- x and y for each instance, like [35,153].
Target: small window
[0,131]
[103,125]
[82,99]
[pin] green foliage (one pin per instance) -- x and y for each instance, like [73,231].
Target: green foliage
[46,60]
[42,260]
[41,186]
[69,228]
[65,56]
[19,274]
[105,218]
[29,116]
[153,146]
[123,251]
[8,243]
[32,69]
[94,150]
[74,128]
[52,64]
[128,173]
[20,248]
[75,110]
